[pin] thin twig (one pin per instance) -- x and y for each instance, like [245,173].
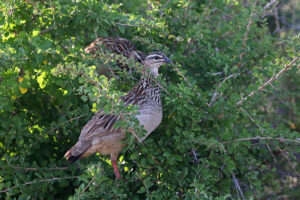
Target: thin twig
[135,25]
[261,130]
[261,138]
[215,73]
[245,37]
[181,74]
[135,135]
[274,77]
[131,130]
[288,159]
[41,181]
[88,185]
[161,87]
[252,119]
[47,30]
[215,96]
[70,120]
[147,190]
[35,168]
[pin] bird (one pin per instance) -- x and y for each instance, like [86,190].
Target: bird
[99,134]
[121,46]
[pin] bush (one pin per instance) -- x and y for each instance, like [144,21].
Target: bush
[209,146]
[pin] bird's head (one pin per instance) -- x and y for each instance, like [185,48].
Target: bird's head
[154,60]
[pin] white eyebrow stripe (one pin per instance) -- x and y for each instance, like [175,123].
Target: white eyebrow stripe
[152,56]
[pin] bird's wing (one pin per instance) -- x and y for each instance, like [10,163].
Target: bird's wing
[101,124]
[137,94]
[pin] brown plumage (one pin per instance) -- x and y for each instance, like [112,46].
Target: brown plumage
[100,135]
[120,46]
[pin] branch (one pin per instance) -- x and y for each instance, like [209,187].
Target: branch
[249,25]
[145,185]
[274,77]
[215,96]
[41,181]
[35,168]
[184,78]
[135,25]
[287,157]
[47,30]
[268,5]
[277,30]
[261,138]
[253,120]
[237,187]
[88,185]
[70,120]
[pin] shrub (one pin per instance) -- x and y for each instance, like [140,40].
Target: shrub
[209,146]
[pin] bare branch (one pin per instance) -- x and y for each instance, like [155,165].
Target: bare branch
[270,4]
[252,119]
[41,181]
[35,168]
[88,185]
[70,120]
[237,187]
[47,30]
[135,25]
[215,96]
[274,77]
[180,73]
[261,138]
[147,190]
[215,73]
[277,30]
[245,38]
[287,157]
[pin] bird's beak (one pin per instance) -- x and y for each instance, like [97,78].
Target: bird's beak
[167,60]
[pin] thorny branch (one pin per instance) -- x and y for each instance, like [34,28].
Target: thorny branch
[184,78]
[35,168]
[88,185]
[274,77]
[245,38]
[145,185]
[41,181]
[215,96]
[70,120]
[252,119]
[286,156]
[261,130]
[134,25]
[261,138]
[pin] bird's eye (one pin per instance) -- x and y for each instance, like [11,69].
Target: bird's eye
[156,57]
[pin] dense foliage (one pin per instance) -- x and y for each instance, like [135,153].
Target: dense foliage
[208,146]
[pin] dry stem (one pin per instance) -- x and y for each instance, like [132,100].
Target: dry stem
[261,138]
[215,96]
[41,181]
[274,77]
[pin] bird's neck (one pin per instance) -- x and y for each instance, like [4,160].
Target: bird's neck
[151,71]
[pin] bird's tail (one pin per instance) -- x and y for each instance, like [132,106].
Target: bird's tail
[75,152]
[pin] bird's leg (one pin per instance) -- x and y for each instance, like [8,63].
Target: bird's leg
[116,170]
